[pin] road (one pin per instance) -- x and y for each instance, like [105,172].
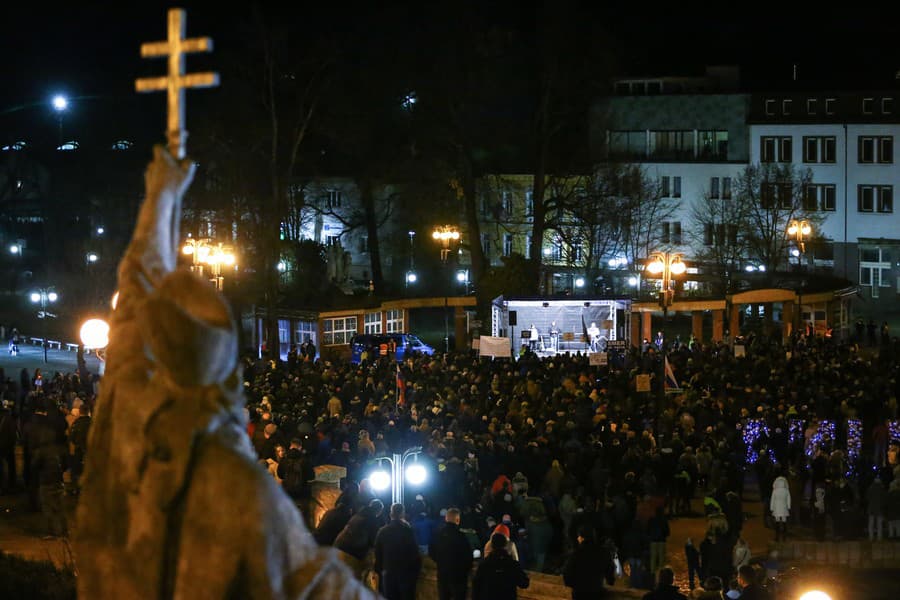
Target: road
[32,357]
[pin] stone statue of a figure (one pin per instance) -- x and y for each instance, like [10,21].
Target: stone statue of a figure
[173,503]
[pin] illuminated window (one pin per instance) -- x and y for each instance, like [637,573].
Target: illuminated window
[338,331]
[372,322]
[394,320]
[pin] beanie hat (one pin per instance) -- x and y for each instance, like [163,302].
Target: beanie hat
[501,529]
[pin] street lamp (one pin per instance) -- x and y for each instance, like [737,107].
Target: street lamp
[415,474]
[411,273]
[798,230]
[203,252]
[60,104]
[445,234]
[665,265]
[44,296]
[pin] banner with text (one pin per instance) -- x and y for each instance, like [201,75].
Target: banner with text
[497,347]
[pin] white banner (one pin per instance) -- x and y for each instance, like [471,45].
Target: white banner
[497,347]
[597,359]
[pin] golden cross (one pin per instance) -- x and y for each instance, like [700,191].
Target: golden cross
[174,83]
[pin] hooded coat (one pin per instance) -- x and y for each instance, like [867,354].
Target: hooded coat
[780,502]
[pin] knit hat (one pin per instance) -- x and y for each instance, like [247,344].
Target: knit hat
[503,529]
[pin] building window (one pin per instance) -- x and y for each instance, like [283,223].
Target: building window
[811,106]
[784,150]
[284,331]
[665,187]
[829,106]
[372,322]
[670,233]
[713,145]
[528,245]
[767,150]
[886,199]
[708,232]
[714,187]
[770,107]
[338,331]
[507,244]
[529,203]
[486,245]
[819,149]
[868,105]
[887,106]
[676,187]
[506,199]
[874,268]
[819,197]
[672,145]
[333,199]
[876,149]
[676,232]
[665,233]
[332,240]
[305,330]
[875,198]
[726,188]
[628,144]
[767,195]
[394,320]
[786,106]
[785,196]
[577,252]
[363,243]
[886,150]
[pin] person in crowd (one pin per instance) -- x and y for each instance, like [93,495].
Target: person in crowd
[893,509]
[9,426]
[780,506]
[78,439]
[357,538]
[876,501]
[712,590]
[510,546]
[47,469]
[589,566]
[397,558]
[692,557]
[453,556]
[658,533]
[499,575]
[819,514]
[741,554]
[333,522]
[751,589]
[665,587]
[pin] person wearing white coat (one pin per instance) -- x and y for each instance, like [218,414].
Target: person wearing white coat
[780,506]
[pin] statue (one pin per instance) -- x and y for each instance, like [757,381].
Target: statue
[173,503]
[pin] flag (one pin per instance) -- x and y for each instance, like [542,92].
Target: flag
[401,387]
[670,384]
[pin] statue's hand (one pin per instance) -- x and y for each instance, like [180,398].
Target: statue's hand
[166,175]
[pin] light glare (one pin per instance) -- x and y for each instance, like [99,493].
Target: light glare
[815,595]
[95,333]
[415,474]
[60,102]
[380,480]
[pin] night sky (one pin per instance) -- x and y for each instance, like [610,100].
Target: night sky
[92,49]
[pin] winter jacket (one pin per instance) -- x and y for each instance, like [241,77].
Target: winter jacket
[780,502]
[586,570]
[876,498]
[741,556]
[396,551]
[452,553]
[358,535]
[497,578]
[423,528]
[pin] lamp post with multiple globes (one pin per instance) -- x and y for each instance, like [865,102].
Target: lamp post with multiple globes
[205,253]
[446,235]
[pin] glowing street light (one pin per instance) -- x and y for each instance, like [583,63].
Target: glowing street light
[94,334]
[60,104]
[666,264]
[43,297]
[446,234]
[214,255]
[415,474]
[92,257]
[815,595]
[799,230]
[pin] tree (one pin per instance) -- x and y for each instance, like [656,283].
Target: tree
[642,210]
[773,196]
[719,232]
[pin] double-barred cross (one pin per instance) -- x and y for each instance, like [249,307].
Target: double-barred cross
[175,47]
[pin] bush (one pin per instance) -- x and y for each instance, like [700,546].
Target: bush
[38,580]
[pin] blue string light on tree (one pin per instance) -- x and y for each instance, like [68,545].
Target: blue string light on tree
[894,428]
[795,431]
[854,444]
[823,437]
[753,430]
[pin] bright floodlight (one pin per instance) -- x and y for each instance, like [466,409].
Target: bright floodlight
[35,297]
[380,480]
[461,276]
[60,103]
[579,282]
[14,249]
[633,281]
[281,266]
[412,277]
[52,296]
[415,474]
[100,231]
[815,595]
[92,257]
[95,333]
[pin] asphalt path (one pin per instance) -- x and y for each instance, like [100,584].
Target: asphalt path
[31,357]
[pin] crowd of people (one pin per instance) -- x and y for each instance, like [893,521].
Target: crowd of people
[547,464]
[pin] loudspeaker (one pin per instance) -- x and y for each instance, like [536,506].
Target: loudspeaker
[512,318]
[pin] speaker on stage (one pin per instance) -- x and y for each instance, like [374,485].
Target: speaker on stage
[512,318]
